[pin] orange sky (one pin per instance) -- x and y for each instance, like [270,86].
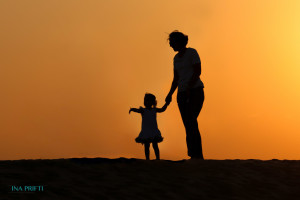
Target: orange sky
[70,71]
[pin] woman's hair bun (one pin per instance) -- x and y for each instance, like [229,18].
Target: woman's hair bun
[178,37]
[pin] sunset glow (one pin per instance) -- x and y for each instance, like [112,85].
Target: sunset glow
[70,71]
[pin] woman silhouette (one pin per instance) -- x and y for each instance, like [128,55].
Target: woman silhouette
[190,96]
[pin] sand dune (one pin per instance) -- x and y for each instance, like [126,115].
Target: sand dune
[102,178]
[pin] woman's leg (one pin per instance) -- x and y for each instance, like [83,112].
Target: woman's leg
[182,105]
[196,103]
[147,147]
[156,150]
[189,112]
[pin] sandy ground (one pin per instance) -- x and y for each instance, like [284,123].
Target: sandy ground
[101,178]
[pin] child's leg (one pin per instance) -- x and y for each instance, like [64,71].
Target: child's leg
[147,146]
[156,150]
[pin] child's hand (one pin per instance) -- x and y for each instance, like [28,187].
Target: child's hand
[168,99]
[167,104]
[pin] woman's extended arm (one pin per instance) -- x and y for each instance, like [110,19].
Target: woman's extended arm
[173,87]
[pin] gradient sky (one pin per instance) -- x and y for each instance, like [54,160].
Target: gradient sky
[70,70]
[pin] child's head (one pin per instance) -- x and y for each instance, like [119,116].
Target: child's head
[150,100]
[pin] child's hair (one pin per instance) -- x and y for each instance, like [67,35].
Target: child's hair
[150,100]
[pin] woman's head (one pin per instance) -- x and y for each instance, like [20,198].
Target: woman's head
[178,40]
[149,100]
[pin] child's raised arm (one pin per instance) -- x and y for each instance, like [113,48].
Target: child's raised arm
[159,110]
[138,110]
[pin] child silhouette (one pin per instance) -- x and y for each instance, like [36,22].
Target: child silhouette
[150,132]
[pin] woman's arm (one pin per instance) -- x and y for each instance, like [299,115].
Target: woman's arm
[173,87]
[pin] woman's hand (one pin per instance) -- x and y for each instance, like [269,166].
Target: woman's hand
[168,99]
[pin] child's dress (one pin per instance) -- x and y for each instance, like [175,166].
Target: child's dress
[150,131]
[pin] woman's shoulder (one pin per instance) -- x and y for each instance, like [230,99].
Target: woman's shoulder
[194,54]
[188,50]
